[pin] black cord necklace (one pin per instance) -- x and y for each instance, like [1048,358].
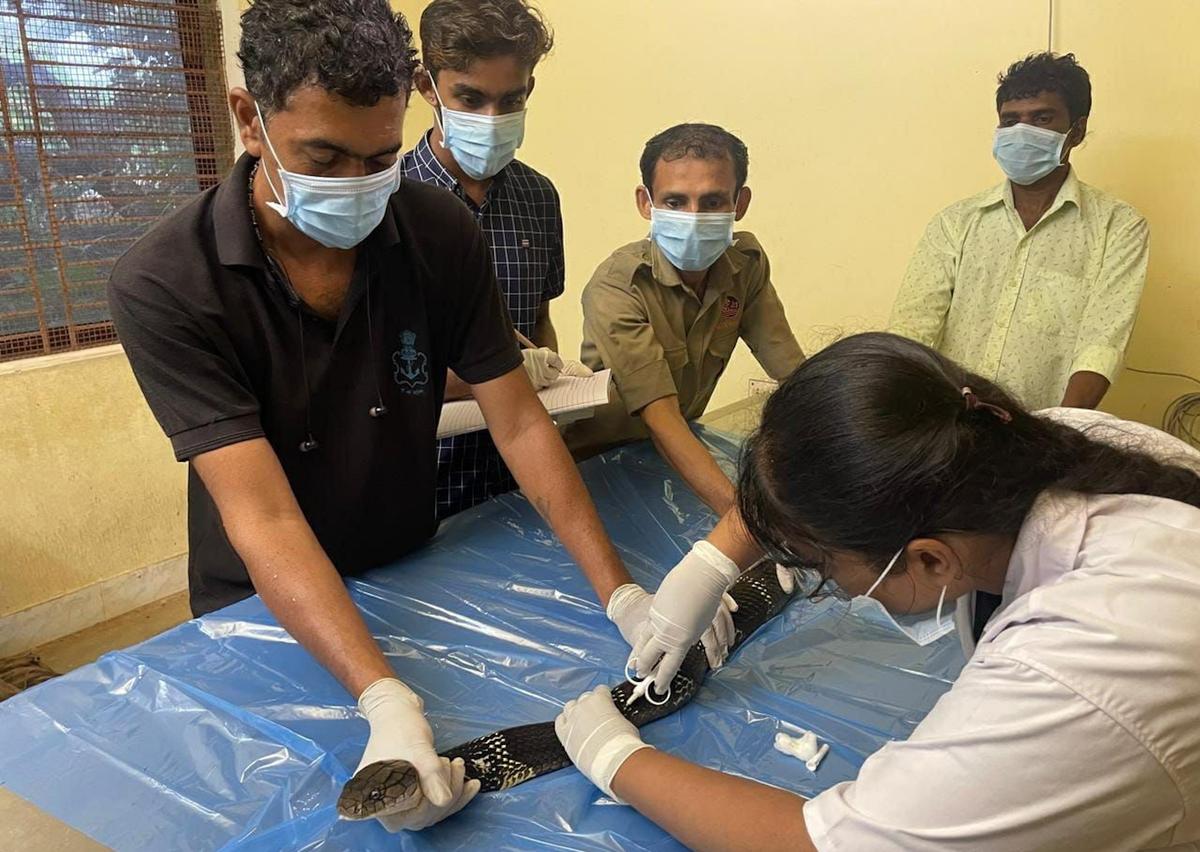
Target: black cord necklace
[250,204]
[276,270]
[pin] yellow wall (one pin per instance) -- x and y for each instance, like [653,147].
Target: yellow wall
[90,487]
[863,118]
[1145,149]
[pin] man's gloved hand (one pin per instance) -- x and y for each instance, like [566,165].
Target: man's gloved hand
[692,597]
[543,366]
[597,738]
[427,813]
[577,369]
[399,732]
[629,609]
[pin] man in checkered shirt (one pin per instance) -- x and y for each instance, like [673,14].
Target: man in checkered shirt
[478,58]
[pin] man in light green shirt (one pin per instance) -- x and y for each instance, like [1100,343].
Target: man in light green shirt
[1034,283]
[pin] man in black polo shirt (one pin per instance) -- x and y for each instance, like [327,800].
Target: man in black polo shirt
[292,330]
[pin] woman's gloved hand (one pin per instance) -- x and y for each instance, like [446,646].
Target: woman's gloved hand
[803,580]
[786,577]
[719,635]
[691,598]
[597,738]
[399,731]
[629,609]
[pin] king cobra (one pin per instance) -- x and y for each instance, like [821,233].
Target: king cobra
[515,755]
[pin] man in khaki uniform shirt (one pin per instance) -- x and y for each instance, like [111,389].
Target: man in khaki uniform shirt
[664,314]
[1035,283]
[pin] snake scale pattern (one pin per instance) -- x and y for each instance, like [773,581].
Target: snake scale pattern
[512,756]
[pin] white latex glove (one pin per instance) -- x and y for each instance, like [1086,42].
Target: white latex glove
[543,366]
[399,732]
[688,601]
[719,635]
[793,579]
[598,739]
[786,577]
[427,813]
[629,609]
[576,368]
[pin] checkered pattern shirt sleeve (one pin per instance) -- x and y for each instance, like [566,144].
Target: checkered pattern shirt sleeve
[522,220]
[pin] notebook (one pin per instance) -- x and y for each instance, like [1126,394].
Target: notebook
[568,399]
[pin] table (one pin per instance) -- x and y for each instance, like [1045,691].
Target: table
[224,734]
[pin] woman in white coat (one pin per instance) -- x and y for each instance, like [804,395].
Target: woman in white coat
[918,488]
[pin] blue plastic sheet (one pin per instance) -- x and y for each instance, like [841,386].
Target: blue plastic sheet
[224,734]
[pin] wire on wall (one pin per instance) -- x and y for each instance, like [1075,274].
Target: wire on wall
[1182,417]
[1050,26]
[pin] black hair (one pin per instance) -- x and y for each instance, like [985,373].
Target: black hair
[1045,72]
[702,141]
[871,443]
[359,50]
[455,33]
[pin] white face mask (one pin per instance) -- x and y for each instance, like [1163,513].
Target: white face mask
[482,145]
[1027,154]
[919,628]
[691,241]
[338,212]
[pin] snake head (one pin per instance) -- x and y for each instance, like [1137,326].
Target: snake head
[380,789]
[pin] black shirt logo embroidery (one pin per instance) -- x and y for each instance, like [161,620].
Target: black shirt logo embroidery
[412,370]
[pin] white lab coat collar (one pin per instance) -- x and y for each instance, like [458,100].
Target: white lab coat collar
[964,623]
[1046,549]
[1048,544]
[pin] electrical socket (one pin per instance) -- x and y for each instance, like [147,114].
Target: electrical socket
[762,387]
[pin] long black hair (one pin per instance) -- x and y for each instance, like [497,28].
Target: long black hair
[872,443]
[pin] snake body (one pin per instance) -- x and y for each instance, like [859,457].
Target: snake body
[512,756]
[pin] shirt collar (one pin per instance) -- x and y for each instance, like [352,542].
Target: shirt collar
[1048,544]
[430,168]
[995,195]
[1068,193]
[234,231]
[1046,549]
[721,273]
[237,244]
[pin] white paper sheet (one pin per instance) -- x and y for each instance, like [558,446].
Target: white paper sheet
[567,399]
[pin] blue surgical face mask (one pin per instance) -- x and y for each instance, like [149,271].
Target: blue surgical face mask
[1027,153]
[338,212]
[482,145]
[691,241]
[920,629]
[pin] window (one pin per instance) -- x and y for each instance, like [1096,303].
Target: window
[113,113]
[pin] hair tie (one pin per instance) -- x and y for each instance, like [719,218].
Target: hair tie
[974,403]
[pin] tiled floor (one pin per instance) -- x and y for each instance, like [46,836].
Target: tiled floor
[79,649]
